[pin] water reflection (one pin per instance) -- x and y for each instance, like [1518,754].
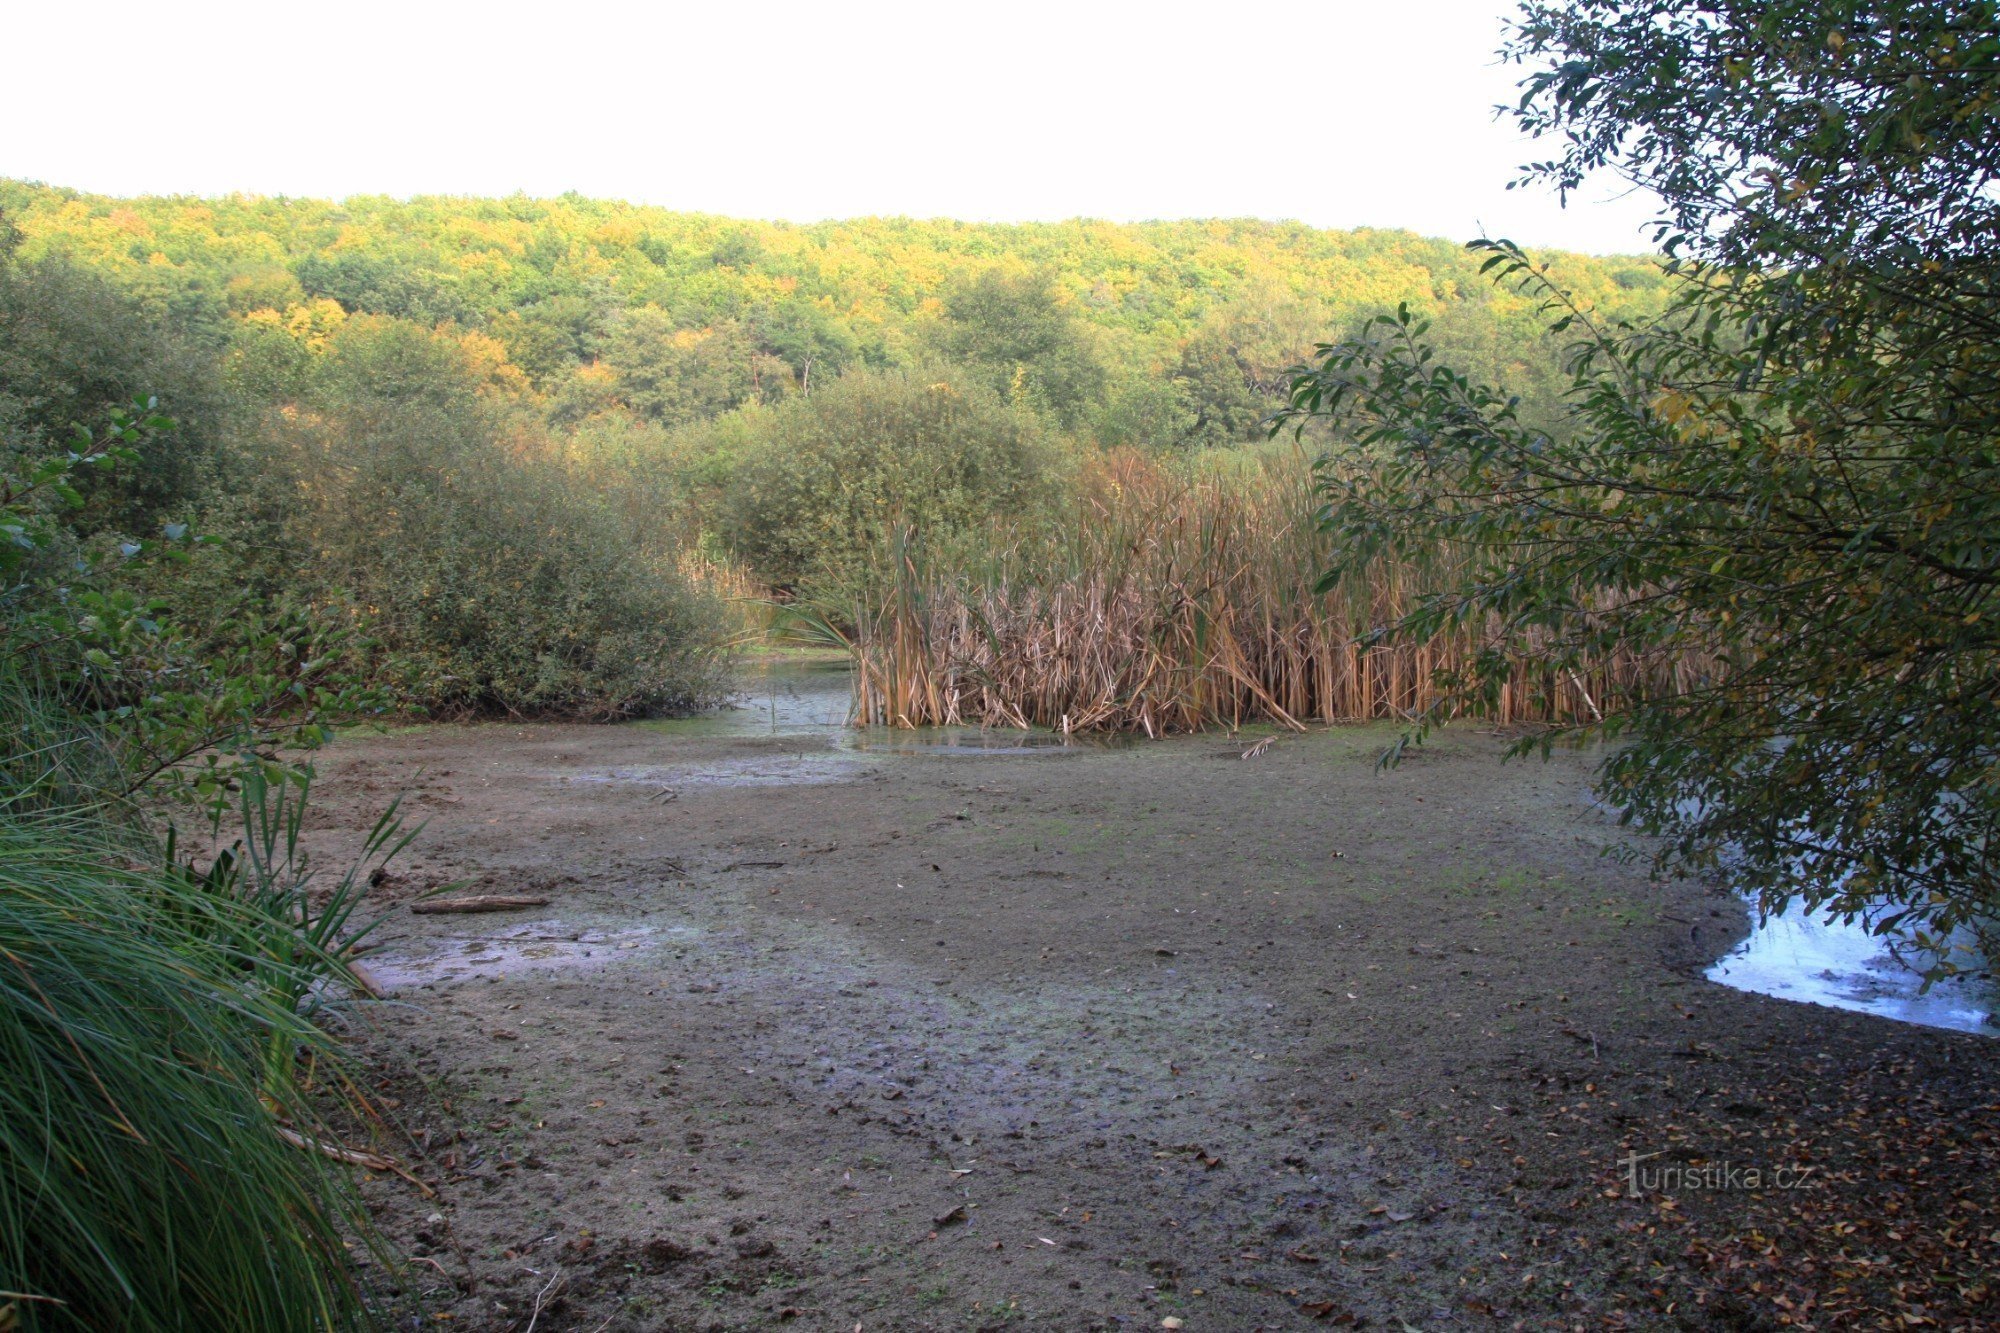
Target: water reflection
[810,695]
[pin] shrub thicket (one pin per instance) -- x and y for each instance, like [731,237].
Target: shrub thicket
[495,576]
[825,478]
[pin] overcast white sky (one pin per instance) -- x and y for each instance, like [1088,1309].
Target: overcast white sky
[1340,113]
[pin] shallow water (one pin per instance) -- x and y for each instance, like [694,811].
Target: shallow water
[1794,956]
[814,696]
[777,696]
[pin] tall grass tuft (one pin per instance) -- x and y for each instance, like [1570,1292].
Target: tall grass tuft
[1162,599]
[749,608]
[144,1179]
[53,759]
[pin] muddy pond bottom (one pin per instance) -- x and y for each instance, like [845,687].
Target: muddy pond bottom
[1790,956]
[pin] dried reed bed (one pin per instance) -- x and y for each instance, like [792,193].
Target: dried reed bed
[1159,603]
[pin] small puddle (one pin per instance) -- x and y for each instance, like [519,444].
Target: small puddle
[1794,956]
[528,946]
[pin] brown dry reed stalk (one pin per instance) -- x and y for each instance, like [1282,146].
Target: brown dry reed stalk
[1163,599]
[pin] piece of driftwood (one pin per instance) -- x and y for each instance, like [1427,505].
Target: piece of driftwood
[361,1157]
[484,902]
[365,980]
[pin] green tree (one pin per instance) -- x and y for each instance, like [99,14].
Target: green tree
[1781,495]
[1220,404]
[1026,341]
[540,344]
[827,478]
[807,338]
[1143,410]
[673,375]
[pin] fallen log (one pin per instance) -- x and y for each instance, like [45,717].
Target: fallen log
[484,902]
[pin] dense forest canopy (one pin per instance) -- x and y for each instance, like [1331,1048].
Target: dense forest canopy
[1159,333]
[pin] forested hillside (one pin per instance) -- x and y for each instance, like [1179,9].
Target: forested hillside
[1160,334]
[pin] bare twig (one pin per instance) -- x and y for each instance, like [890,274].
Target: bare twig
[541,1298]
[372,1161]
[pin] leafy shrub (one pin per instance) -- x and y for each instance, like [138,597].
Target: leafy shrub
[104,692]
[74,347]
[828,476]
[494,578]
[501,589]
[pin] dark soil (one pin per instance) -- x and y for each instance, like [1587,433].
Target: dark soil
[1109,1038]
